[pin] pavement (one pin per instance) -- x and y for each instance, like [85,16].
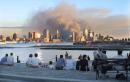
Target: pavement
[21,73]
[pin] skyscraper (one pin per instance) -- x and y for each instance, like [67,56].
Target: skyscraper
[29,35]
[74,37]
[47,36]
[57,34]
[14,36]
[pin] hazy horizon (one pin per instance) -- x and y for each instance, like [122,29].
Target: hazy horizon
[108,17]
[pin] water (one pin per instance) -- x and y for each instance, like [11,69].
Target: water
[49,55]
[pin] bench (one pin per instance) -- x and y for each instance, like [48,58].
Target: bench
[111,65]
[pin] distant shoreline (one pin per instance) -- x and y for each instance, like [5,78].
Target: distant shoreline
[72,47]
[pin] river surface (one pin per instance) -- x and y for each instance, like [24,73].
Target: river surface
[49,55]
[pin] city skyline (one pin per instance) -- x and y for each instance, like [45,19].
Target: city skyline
[100,15]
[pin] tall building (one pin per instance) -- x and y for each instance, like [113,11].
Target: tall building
[74,37]
[47,39]
[57,34]
[44,33]
[82,37]
[1,37]
[86,33]
[29,35]
[15,36]
[33,35]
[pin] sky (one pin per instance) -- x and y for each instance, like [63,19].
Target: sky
[17,12]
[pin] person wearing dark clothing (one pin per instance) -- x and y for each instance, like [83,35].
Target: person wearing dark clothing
[84,64]
[88,58]
[78,63]
[18,61]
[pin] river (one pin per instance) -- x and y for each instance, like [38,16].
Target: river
[49,55]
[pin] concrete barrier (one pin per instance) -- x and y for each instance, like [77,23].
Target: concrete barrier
[38,79]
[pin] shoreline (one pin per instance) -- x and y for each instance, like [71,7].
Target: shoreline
[55,47]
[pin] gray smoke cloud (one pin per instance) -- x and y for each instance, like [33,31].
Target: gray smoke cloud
[66,18]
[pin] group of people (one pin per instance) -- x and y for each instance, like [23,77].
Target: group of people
[67,63]
[7,60]
[33,60]
[61,63]
[103,66]
[82,64]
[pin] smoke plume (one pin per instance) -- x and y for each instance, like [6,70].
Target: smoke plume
[66,18]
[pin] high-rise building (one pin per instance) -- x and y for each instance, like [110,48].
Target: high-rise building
[82,37]
[33,35]
[1,37]
[44,33]
[29,35]
[14,36]
[86,33]
[8,38]
[57,34]
[47,39]
[74,37]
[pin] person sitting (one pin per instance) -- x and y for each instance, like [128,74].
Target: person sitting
[96,55]
[4,60]
[104,66]
[84,64]
[69,63]
[66,55]
[35,61]
[78,63]
[29,61]
[129,56]
[10,60]
[60,63]
[51,66]
[18,60]
[102,54]
[119,55]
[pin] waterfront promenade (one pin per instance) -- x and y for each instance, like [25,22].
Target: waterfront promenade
[21,73]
